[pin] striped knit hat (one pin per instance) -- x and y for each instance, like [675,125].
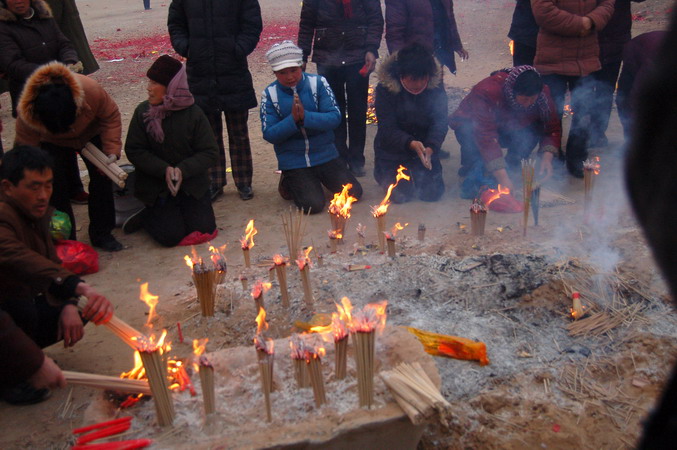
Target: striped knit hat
[283,55]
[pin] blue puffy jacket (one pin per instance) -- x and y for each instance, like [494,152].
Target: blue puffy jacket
[297,147]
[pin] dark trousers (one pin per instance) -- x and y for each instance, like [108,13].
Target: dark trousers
[37,318]
[101,206]
[426,185]
[523,55]
[75,183]
[604,87]
[238,147]
[581,92]
[171,219]
[146,4]
[351,90]
[305,184]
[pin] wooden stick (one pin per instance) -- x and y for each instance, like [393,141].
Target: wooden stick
[156,371]
[107,382]
[125,332]
[281,270]
[340,357]
[314,364]
[207,383]
[307,289]
[294,228]
[380,232]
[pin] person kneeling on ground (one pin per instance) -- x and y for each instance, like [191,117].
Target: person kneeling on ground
[511,108]
[411,106]
[172,148]
[298,114]
[37,295]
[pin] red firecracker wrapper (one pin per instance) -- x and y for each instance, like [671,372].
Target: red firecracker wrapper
[364,71]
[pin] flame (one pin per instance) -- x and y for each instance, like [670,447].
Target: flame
[335,234]
[261,324]
[314,350]
[137,372]
[511,45]
[393,232]
[575,315]
[342,202]
[247,240]
[371,317]
[345,310]
[496,194]
[150,300]
[217,256]
[382,208]
[260,342]
[260,288]
[148,343]
[189,261]
[568,110]
[305,259]
[592,164]
[199,346]
[279,260]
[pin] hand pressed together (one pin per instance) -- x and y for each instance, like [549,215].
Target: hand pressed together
[424,153]
[173,177]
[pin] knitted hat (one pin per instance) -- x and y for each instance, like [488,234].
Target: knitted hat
[163,69]
[284,55]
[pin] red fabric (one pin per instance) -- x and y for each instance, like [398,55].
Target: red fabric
[78,257]
[506,203]
[347,9]
[196,238]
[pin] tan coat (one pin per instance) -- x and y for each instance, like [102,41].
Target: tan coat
[97,113]
[560,48]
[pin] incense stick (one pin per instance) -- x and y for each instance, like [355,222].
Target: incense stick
[528,170]
[207,383]
[364,359]
[307,289]
[380,232]
[590,171]
[340,357]
[156,371]
[107,382]
[294,228]
[205,281]
[391,246]
[266,361]
[314,364]
[478,217]
[117,326]
[536,202]
[298,357]
[281,269]
[421,231]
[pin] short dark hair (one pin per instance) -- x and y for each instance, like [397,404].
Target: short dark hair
[528,83]
[55,107]
[23,157]
[415,61]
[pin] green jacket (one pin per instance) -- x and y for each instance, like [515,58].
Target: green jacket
[189,145]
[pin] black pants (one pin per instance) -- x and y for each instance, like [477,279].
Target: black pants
[604,87]
[426,185]
[581,89]
[37,318]
[171,219]
[523,55]
[305,184]
[351,90]
[101,206]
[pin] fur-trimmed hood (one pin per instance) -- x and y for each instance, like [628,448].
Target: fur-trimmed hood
[41,8]
[51,73]
[389,80]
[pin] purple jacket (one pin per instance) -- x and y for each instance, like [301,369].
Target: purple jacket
[410,21]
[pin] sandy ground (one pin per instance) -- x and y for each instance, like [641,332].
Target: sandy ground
[513,409]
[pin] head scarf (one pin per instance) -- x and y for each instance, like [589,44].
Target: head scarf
[178,97]
[508,91]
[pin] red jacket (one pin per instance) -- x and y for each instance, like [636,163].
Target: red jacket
[487,108]
[560,49]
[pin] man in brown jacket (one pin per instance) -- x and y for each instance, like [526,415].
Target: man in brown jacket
[61,112]
[567,52]
[36,292]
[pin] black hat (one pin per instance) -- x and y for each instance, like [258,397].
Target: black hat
[164,69]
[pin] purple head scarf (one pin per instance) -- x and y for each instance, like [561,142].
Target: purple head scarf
[178,97]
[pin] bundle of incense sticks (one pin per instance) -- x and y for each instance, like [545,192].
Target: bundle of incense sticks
[381,232]
[107,382]
[339,209]
[314,354]
[121,329]
[478,217]
[207,383]
[156,372]
[363,327]
[294,227]
[105,163]
[421,231]
[334,238]
[245,282]
[219,262]
[281,269]
[340,332]
[528,170]
[591,168]
[379,211]
[416,394]
[298,357]
[303,264]
[536,202]
[390,240]
[205,281]
[361,232]
[247,242]
[257,294]
[266,356]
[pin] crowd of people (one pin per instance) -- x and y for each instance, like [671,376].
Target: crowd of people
[314,121]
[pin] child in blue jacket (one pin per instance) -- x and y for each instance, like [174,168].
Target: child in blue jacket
[298,116]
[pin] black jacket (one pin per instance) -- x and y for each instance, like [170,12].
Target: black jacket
[616,33]
[523,28]
[215,36]
[335,39]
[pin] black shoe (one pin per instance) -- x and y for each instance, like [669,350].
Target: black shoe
[358,171]
[24,394]
[215,192]
[443,154]
[133,222]
[107,243]
[246,193]
[575,168]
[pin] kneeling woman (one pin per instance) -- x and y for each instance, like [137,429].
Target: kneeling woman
[171,146]
[411,107]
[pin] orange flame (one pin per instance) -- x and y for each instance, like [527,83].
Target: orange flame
[345,310]
[260,288]
[568,110]
[382,208]
[304,260]
[592,164]
[189,261]
[148,343]
[342,202]
[150,300]
[261,324]
[217,256]
[279,260]
[511,45]
[496,194]
[247,240]
[260,342]
[137,372]
[371,317]
[393,232]
[199,346]
[335,234]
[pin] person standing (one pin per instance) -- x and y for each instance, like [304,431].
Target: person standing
[523,32]
[343,38]
[216,37]
[67,17]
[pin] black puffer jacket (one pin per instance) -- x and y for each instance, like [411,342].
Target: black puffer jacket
[215,36]
[27,44]
[337,37]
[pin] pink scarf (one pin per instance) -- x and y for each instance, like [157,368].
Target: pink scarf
[178,97]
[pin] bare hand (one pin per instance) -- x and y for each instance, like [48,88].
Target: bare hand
[98,309]
[70,328]
[503,179]
[463,54]
[422,153]
[427,158]
[297,111]
[587,26]
[545,170]
[369,62]
[173,177]
[48,376]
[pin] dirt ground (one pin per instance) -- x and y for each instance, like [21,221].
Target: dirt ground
[510,408]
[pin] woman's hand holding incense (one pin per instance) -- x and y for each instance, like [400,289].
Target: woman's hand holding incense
[48,375]
[98,309]
[71,329]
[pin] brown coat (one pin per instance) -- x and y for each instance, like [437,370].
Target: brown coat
[560,48]
[97,113]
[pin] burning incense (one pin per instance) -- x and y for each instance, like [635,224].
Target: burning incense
[361,231]
[304,270]
[257,294]
[591,169]
[247,242]
[266,357]
[204,279]
[478,217]
[314,354]
[107,382]
[219,262]
[421,231]
[528,170]
[294,228]
[390,238]
[536,202]
[206,370]
[154,364]
[340,332]
[281,269]
[363,326]
[245,282]
[380,210]
[577,310]
[334,237]
[298,357]
[339,209]
[121,329]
